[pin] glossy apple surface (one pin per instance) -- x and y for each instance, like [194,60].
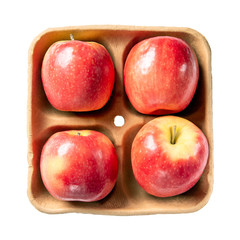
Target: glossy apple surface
[77,76]
[168,156]
[79,165]
[161,75]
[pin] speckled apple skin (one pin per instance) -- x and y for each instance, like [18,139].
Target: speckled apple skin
[79,165]
[164,169]
[161,75]
[77,76]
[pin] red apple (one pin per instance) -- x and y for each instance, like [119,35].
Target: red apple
[77,76]
[161,75]
[168,156]
[79,165]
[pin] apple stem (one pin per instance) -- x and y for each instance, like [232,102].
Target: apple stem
[79,134]
[71,37]
[173,134]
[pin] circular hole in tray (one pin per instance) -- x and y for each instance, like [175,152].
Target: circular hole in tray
[119,121]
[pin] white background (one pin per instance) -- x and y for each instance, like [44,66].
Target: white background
[21,21]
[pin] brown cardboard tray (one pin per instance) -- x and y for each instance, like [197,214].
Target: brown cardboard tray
[127,197]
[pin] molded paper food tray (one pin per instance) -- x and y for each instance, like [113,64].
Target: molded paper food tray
[127,197]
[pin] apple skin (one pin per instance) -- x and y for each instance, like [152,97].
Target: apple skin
[77,76]
[79,165]
[161,75]
[164,169]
